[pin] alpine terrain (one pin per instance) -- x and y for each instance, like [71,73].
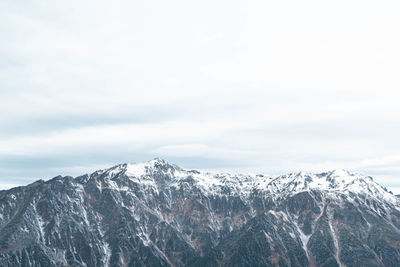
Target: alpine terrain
[159,214]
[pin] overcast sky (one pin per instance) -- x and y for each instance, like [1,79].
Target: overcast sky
[243,86]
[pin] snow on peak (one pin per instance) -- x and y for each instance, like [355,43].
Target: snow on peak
[144,168]
[136,169]
[158,172]
[336,181]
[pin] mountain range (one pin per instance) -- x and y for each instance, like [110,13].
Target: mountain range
[159,214]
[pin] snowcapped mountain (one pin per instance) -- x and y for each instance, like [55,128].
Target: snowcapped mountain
[159,214]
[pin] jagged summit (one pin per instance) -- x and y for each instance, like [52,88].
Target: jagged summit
[139,168]
[158,174]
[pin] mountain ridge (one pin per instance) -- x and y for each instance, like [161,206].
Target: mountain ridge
[157,213]
[348,178]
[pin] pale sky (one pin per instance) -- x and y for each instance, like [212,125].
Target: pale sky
[243,86]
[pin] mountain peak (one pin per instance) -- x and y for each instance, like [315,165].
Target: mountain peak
[157,174]
[141,168]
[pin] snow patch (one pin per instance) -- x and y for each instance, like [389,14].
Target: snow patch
[304,239]
[136,169]
[335,240]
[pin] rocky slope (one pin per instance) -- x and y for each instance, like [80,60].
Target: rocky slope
[158,214]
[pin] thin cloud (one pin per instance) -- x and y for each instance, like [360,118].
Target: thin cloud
[266,87]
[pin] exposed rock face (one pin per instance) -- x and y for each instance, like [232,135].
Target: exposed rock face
[158,214]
